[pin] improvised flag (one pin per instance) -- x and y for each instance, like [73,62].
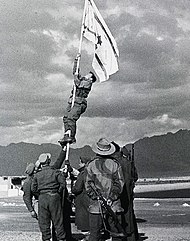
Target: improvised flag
[105,61]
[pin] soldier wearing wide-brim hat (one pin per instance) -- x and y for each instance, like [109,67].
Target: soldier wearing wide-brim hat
[104,173]
[103,147]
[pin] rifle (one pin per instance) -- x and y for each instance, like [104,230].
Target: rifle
[133,153]
[134,170]
[103,202]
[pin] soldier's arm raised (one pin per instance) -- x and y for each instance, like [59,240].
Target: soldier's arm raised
[58,163]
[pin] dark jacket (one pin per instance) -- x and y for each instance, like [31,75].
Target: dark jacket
[130,176]
[51,182]
[48,180]
[26,188]
[28,194]
[81,202]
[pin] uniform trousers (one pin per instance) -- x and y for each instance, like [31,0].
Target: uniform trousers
[72,115]
[50,209]
[96,226]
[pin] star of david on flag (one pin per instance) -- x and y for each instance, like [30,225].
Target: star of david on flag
[106,53]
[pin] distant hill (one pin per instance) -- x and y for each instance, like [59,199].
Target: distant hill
[164,155]
[15,157]
[157,156]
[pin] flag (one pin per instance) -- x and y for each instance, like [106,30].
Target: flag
[105,61]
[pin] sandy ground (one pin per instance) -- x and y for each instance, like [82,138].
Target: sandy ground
[158,220]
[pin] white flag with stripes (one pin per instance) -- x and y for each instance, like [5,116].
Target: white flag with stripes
[105,61]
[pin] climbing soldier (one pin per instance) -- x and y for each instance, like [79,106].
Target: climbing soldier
[77,102]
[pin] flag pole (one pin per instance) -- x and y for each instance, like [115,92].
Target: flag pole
[76,72]
[79,52]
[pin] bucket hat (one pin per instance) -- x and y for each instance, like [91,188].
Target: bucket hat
[43,157]
[103,147]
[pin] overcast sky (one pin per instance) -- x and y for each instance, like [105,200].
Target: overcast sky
[149,95]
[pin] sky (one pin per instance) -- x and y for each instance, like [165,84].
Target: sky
[149,95]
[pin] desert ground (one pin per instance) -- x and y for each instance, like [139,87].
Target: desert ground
[165,219]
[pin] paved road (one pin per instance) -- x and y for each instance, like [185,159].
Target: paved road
[158,220]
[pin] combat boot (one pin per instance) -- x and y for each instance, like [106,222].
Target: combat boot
[67,139]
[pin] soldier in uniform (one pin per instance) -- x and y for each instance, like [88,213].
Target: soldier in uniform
[123,156]
[50,183]
[81,198]
[27,192]
[105,174]
[132,227]
[83,87]
[32,168]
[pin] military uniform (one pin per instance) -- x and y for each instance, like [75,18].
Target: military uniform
[28,195]
[50,184]
[130,175]
[81,202]
[106,174]
[83,87]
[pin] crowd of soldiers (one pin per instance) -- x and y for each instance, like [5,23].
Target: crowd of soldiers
[103,188]
[110,174]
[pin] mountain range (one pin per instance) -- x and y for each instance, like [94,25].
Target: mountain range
[165,155]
